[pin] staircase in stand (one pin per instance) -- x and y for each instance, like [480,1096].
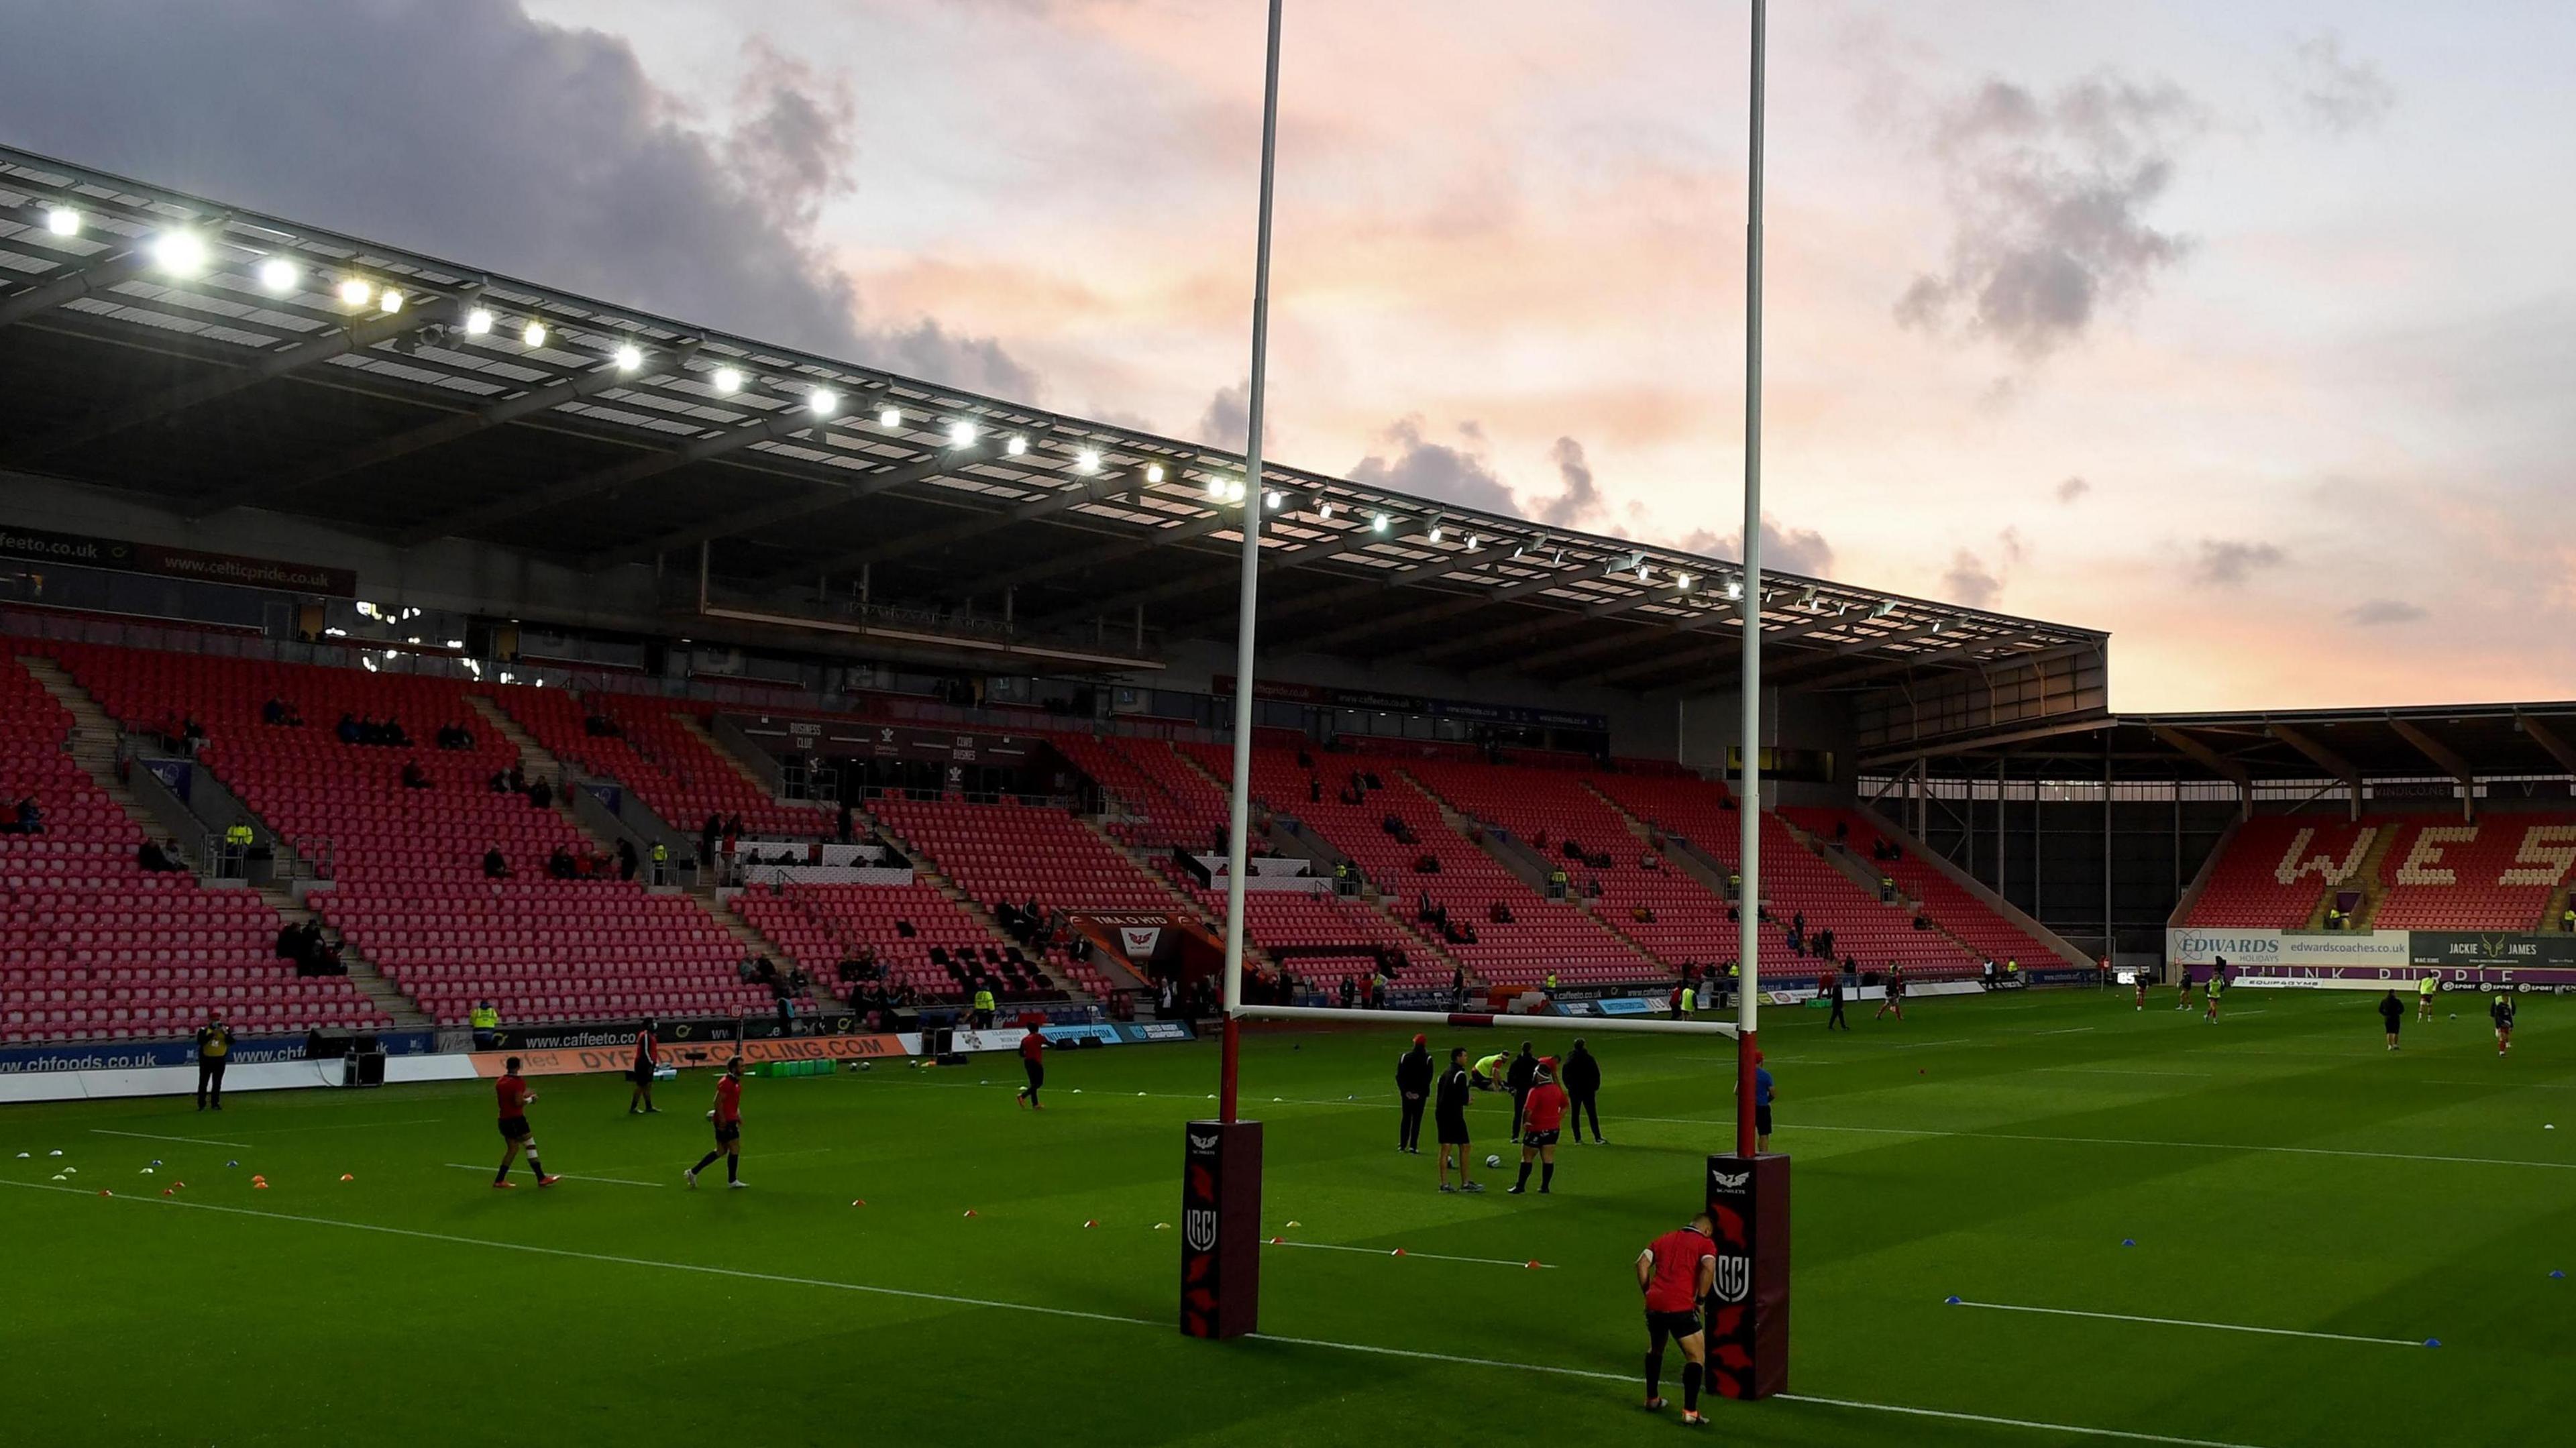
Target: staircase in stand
[2367,879]
[927,870]
[363,974]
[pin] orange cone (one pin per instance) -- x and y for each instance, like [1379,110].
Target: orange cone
[104,1192]
[970,1211]
[344,1176]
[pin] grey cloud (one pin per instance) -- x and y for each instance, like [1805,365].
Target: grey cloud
[1227,422]
[467,129]
[2376,612]
[2334,92]
[1969,583]
[2072,489]
[1581,497]
[2049,200]
[1415,464]
[2226,563]
[1784,550]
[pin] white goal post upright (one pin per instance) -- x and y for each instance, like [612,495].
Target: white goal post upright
[1239,803]
[1748,904]
[1499,1020]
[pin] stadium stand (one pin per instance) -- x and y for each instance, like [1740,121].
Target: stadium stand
[2496,874]
[410,891]
[916,934]
[1947,903]
[660,756]
[1542,935]
[1020,852]
[1795,881]
[98,948]
[2277,867]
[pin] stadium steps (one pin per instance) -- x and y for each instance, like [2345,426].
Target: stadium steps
[826,992]
[1684,855]
[691,723]
[1182,904]
[538,763]
[1862,873]
[371,982]
[1525,864]
[926,869]
[2374,888]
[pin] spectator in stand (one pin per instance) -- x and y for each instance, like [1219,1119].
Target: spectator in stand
[1458,985]
[1648,862]
[1643,914]
[559,865]
[708,833]
[414,777]
[495,866]
[1426,863]
[394,735]
[541,795]
[158,859]
[347,729]
[1498,913]
[627,860]
[1350,992]
[273,712]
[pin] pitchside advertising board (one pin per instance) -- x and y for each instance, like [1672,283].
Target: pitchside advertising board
[1747,1311]
[2381,959]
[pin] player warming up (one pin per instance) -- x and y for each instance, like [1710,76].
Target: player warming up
[1449,1121]
[2425,990]
[727,1116]
[648,1054]
[1542,1116]
[515,1098]
[2217,983]
[1675,1272]
[1895,995]
[2502,1013]
[1033,1061]
[1413,1095]
[2392,1013]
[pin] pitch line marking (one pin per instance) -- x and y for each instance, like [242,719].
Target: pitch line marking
[955,1300]
[151,1136]
[2187,1322]
[2125,1071]
[351,1125]
[1389,1251]
[2068,1031]
[567,1176]
[2131,1141]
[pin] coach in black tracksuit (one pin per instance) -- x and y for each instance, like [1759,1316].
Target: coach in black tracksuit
[1522,1074]
[1581,1078]
[1413,1089]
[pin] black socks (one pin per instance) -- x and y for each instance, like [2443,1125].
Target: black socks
[1546,1175]
[705,1161]
[733,1167]
[1654,1371]
[1690,1387]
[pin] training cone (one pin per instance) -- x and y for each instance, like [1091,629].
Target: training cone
[344,1176]
[1090,1222]
[53,1153]
[174,1186]
[1535,1264]
[2555,1275]
[58,1176]
[22,1156]
[72,1170]
[156,1161]
[1162,1226]
[1398,1252]
[232,1163]
[970,1211]
[1278,1241]
[1140,1093]
[104,1192]
[147,1171]
[2128,1241]
[1949,1302]
[1296,1224]
[2432,1342]
[165,1191]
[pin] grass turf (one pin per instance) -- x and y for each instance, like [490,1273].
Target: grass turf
[2280,1170]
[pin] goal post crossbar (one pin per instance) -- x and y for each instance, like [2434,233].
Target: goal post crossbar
[1644,1025]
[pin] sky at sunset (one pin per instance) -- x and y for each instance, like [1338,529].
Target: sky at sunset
[2245,331]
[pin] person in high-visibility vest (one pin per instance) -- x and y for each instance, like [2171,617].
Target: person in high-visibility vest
[983,1007]
[2567,917]
[661,860]
[2425,990]
[1551,982]
[214,1050]
[487,1025]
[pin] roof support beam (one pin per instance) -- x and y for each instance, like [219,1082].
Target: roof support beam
[2213,761]
[100,275]
[1713,653]
[428,435]
[783,423]
[357,336]
[1591,648]
[1094,490]
[1383,580]
[1272,560]
[2325,759]
[1938,656]
[2547,738]
[2445,758]
[1538,629]
[1183,532]
[1433,613]
[796,505]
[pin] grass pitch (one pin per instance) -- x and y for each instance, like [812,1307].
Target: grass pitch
[2280,1171]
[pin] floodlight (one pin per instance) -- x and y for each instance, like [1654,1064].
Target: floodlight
[890,417]
[727,379]
[278,274]
[1016,446]
[180,253]
[1153,472]
[534,334]
[1474,542]
[1682,581]
[1378,524]
[629,356]
[62,221]
[1735,588]
[961,433]
[478,322]
[1274,498]
[389,301]
[1324,510]
[824,401]
[1216,490]
[355,292]
[1435,532]
[1087,461]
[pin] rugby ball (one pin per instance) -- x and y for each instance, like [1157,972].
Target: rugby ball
[1493,1160]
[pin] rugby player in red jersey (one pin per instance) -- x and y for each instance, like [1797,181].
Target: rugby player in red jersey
[1675,1271]
[1542,1115]
[515,1098]
[727,1116]
[1033,1061]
